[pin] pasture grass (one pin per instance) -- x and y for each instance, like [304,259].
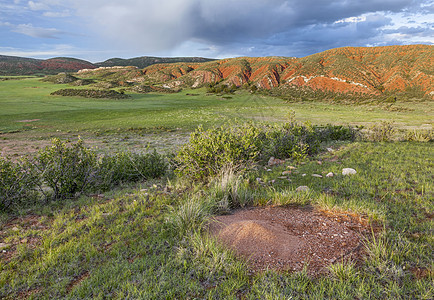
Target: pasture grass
[148,241]
[30,99]
[137,242]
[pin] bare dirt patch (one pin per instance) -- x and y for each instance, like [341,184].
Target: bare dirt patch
[28,121]
[288,239]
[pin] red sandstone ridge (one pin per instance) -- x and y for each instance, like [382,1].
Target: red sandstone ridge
[370,70]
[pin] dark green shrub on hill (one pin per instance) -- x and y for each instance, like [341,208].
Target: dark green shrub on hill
[90,93]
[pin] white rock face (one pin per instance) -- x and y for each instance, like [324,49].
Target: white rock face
[348,171]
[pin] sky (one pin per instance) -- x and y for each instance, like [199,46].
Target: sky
[97,30]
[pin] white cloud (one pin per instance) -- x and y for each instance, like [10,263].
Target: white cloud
[54,14]
[37,32]
[38,6]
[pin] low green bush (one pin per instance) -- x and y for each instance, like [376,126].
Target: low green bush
[66,169]
[208,151]
[381,132]
[17,183]
[130,167]
[242,146]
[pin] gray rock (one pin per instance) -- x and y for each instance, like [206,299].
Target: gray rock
[348,171]
[302,188]
[3,246]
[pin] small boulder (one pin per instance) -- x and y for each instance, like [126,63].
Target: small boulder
[330,174]
[302,188]
[3,246]
[274,161]
[348,171]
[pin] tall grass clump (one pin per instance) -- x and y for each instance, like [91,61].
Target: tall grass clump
[230,190]
[130,167]
[189,216]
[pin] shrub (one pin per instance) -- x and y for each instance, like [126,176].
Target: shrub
[381,132]
[66,169]
[337,133]
[208,151]
[17,183]
[240,147]
[130,167]
[419,135]
[90,93]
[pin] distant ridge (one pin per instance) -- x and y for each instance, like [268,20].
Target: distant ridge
[14,65]
[146,61]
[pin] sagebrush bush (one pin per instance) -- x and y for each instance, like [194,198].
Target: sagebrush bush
[17,183]
[381,132]
[208,151]
[67,169]
[130,167]
[242,146]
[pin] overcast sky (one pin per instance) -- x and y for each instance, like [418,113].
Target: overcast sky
[96,30]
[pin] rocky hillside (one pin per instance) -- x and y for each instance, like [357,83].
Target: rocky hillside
[145,61]
[372,70]
[12,65]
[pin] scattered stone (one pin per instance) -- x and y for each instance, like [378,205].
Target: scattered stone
[348,171]
[330,174]
[15,228]
[286,172]
[330,149]
[144,190]
[291,167]
[3,246]
[303,175]
[282,177]
[302,188]
[275,161]
[268,170]
[317,175]
[319,162]
[23,241]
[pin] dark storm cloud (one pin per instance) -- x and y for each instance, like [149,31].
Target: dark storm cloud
[246,24]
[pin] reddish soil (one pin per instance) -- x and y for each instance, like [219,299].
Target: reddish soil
[290,238]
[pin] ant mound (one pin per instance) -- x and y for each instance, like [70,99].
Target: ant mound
[290,238]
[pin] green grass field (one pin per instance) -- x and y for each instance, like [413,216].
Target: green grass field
[131,242]
[30,99]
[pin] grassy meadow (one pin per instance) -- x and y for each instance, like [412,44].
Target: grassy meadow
[148,239]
